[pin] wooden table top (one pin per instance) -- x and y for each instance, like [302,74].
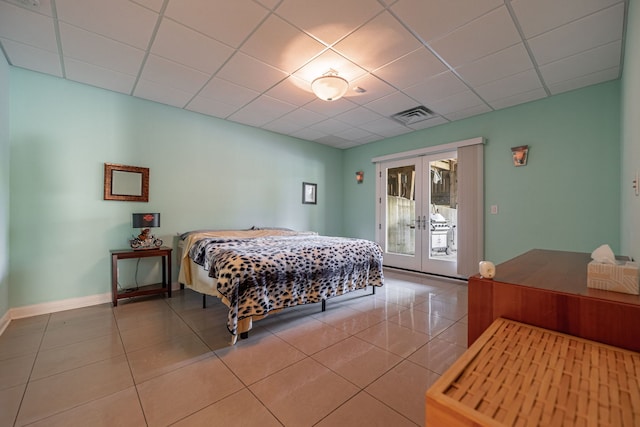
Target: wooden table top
[557,271]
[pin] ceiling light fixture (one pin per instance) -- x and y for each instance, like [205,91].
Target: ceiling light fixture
[329,86]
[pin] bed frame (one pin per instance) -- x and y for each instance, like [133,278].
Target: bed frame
[199,281]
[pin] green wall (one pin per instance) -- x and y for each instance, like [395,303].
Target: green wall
[4,186]
[566,198]
[210,173]
[204,173]
[630,129]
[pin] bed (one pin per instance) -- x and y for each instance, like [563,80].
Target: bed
[258,272]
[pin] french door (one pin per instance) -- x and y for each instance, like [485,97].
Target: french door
[419,213]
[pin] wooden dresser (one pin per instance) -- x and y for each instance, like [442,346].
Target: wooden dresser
[548,289]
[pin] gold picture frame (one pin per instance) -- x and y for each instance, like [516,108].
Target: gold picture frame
[126,183]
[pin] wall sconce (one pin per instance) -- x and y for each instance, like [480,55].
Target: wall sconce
[360,177]
[520,155]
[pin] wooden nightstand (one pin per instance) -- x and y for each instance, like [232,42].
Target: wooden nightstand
[161,288]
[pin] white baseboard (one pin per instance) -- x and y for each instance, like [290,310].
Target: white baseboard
[55,306]
[67,304]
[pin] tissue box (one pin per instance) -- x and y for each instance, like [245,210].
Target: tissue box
[620,277]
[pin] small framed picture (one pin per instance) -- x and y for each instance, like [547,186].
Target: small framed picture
[309,193]
[520,155]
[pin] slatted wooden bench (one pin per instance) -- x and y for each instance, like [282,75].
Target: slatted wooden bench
[522,375]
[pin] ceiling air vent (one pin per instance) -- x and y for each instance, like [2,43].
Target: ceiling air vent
[413,115]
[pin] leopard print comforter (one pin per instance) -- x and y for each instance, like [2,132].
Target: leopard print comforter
[258,275]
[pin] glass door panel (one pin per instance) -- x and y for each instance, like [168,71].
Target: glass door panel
[401,210]
[401,219]
[419,213]
[442,207]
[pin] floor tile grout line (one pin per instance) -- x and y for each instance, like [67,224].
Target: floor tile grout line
[244,386]
[264,405]
[33,364]
[402,359]
[348,334]
[133,380]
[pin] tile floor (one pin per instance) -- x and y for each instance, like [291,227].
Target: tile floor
[366,361]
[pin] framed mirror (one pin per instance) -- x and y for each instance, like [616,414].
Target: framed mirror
[126,183]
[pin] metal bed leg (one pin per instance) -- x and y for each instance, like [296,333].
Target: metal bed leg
[244,335]
[204,301]
[374,289]
[324,305]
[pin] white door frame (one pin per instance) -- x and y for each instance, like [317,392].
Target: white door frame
[381,190]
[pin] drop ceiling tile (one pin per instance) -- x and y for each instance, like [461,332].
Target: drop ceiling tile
[213,28]
[283,126]
[354,134]
[26,27]
[333,141]
[486,35]
[392,104]
[319,18]
[458,102]
[162,94]
[269,4]
[44,6]
[155,5]
[411,69]
[439,87]
[509,86]
[349,144]
[438,120]
[119,20]
[98,76]
[520,98]
[292,90]
[227,21]
[380,41]
[98,50]
[435,18]
[330,126]
[296,120]
[308,134]
[358,116]
[203,53]
[304,117]
[392,131]
[590,79]
[329,60]
[537,17]
[506,62]
[211,107]
[588,62]
[330,108]
[261,111]
[172,74]
[373,86]
[589,32]
[468,112]
[32,58]
[367,139]
[251,73]
[229,93]
[383,126]
[281,45]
